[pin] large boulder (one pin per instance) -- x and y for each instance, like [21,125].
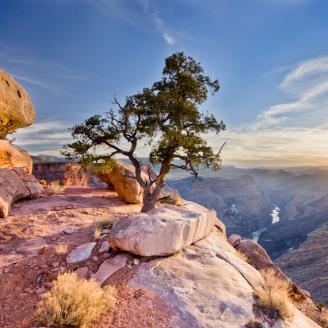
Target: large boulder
[16,108]
[164,230]
[12,156]
[121,176]
[16,184]
[208,285]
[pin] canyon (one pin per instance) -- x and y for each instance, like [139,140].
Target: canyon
[246,200]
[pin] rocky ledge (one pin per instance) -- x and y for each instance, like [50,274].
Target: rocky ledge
[204,281]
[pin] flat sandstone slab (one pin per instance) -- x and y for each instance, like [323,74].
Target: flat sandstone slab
[109,267]
[163,231]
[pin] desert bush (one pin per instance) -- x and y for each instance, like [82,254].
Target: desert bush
[274,296]
[74,303]
[105,223]
[55,188]
[43,182]
[61,249]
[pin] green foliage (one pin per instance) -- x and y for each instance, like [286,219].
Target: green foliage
[165,116]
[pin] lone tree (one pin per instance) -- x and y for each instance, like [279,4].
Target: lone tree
[166,117]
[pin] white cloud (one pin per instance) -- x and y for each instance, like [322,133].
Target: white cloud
[307,83]
[289,133]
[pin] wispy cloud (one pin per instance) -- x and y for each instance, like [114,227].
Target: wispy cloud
[136,13]
[37,83]
[307,84]
[40,72]
[44,137]
[161,27]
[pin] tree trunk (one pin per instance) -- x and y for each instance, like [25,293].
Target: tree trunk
[149,202]
[150,197]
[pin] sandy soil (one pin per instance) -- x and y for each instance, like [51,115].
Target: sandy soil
[29,261]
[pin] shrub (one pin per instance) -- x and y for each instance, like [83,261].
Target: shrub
[55,188]
[97,233]
[105,223]
[274,296]
[74,302]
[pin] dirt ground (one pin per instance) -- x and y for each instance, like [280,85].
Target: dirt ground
[29,261]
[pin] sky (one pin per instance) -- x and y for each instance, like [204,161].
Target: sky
[270,56]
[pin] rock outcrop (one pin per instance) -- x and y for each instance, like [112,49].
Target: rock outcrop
[12,156]
[16,108]
[162,231]
[69,174]
[208,285]
[16,111]
[16,184]
[75,175]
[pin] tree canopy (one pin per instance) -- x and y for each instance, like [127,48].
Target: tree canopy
[166,117]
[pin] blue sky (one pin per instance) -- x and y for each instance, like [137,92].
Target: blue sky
[271,57]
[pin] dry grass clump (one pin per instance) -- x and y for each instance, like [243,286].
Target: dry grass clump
[74,303]
[55,188]
[274,297]
[61,249]
[97,233]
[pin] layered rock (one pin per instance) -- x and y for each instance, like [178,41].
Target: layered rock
[12,156]
[75,175]
[162,231]
[16,108]
[16,184]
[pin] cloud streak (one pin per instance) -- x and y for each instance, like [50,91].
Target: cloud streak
[291,133]
[136,15]
[43,137]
